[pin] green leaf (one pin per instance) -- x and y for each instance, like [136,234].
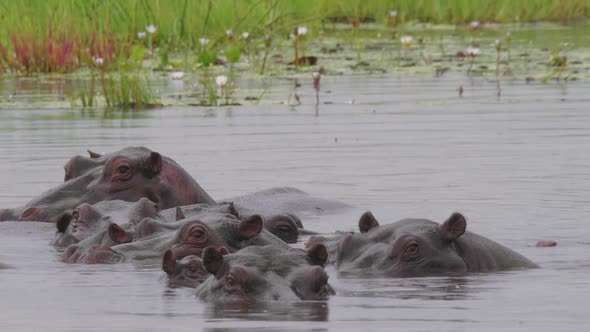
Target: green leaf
[233,54]
[137,52]
[207,58]
[164,58]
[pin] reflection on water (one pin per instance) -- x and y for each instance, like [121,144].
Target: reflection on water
[517,167]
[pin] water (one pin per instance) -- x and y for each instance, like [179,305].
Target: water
[517,167]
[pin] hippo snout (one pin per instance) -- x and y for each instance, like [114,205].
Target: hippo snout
[318,278]
[312,284]
[8,214]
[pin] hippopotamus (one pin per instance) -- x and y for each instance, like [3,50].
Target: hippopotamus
[190,272]
[285,200]
[265,274]
[418,247]
[287,227]
[187,272]
[224,231]
[128,174]
[87,220]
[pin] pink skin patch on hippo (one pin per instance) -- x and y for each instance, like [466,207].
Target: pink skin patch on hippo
[545,243]
[174,177]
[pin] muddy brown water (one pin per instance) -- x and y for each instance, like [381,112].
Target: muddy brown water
[518,167]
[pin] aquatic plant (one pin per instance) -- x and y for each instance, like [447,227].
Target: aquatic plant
[498,46]
[407,41]
[392,22]
[267,43]
[557,63]
[472,53]
[474,26]
[51,52]
[316,85]
[177,75]
[298,38]
[151,29]
[124,89]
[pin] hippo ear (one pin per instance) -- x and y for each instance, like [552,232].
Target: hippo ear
[213,262]
[232,210]
[295,219]
[118,234]
[367,222]
[250,227]
[453,227]
[93,155]
[318,254]
[169,262]
[63,222]
[154,162]
[179,213]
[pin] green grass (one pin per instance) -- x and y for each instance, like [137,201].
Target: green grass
[182,22]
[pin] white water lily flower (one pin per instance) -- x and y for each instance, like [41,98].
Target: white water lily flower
[151,29]
[245,35]
[204,41]
[177,75]
[141,35]
[221,80]
[393,13]
[99,61]
[316,75]
[472,51]
[474,24]
[301,31]
[406,41]
[229,32]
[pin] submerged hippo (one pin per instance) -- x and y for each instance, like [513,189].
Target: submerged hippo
[224,231]
[190,272]
[419,247]
[128,174]
[262,274]
[87,220]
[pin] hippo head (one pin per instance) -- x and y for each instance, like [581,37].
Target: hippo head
[256,275]
[94,255]
[311,283]
[194,236]
[186,272]
[406,248]
[284,226]
[84,221]
[144,208]
[232,282]
[128,175]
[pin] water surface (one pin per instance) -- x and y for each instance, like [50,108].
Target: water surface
[516,166]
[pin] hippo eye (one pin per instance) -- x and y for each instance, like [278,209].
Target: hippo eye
[198,234]
[123,169]
[230,281]
[412,249]
[192,269]
[76,214]
[284,228]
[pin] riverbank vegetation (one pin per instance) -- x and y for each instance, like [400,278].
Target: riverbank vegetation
[117,44]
